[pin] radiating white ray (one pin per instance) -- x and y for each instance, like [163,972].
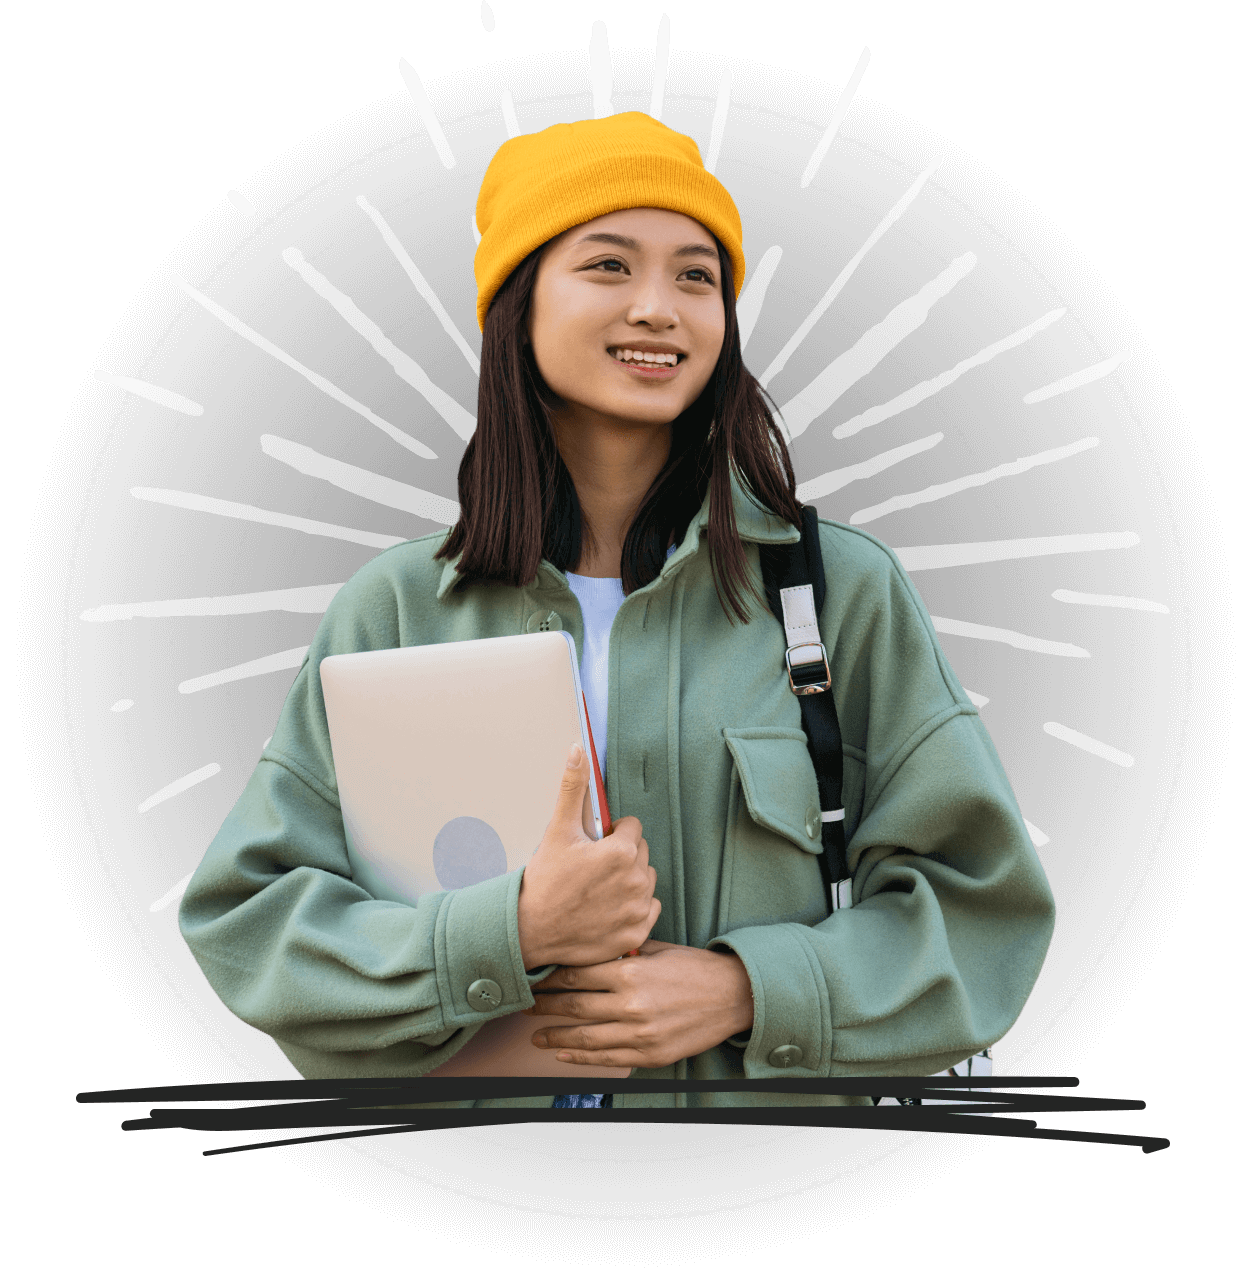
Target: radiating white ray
[1078,379]
[478,236]
[748,306]
[893,215]
[123,705]
[872,347]
[829,482]
[915,395]
[1118,602]
[841,107]
[279,662]
[459,419]
[486,17]
[179,785]
[1037,835]
[356,480]
[172,895]
[311,600]
[941,556]
[245,512]
[417,91]
[1088,744]
[934,492]
[322,384]
[721,109]
[419,281]
[241,203]
[978,700]
[267,743]
[1018,640]
[511,127]
[149,391]
[659,68]
[601,72]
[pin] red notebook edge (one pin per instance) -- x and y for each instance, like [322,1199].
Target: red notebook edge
[606,821]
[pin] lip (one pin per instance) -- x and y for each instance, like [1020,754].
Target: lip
[652,374]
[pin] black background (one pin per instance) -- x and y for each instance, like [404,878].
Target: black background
[1066,169]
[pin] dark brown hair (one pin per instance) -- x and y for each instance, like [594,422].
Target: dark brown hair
[518,502]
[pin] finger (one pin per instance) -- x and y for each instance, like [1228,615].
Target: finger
[654,914]
[620,1058]
[595,979]
[588,1038]
[629,827]
[595,1008]
[568,813]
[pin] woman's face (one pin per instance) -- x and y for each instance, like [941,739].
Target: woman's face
[636,283]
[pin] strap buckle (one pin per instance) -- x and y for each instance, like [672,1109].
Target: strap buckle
[808,670]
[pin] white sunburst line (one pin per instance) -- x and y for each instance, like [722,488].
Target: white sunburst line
[246,512]
[310,600]
[978,700]
[601,71]
[942,556]
[457,417]
[151,392]
[322,384]
[829,482]
[486,17]
[283,661]
[872,348]
[419,281]
[660,66]
[179,785]
[1115,602]
[721,109]
[172,895]
[1018,640]
[365,484]
[752,296]
[417,91]
[478,236]
[841,107]
[1079,740]
[1037,836]
[893,215]
[921,391]
[935,492]
[509,112]
[1078,379]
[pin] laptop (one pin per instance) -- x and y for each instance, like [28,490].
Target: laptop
[449,758]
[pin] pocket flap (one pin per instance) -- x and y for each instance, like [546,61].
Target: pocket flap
[779,783]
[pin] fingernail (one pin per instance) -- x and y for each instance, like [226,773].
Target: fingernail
[575,755]
[540,1039]
[564,1055]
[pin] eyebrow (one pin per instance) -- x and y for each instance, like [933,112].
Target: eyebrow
[697,248]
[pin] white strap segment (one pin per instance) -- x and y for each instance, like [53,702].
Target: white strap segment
[800,623]
[829,816]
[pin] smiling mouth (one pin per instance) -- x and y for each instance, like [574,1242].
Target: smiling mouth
[637,359]
[651,367]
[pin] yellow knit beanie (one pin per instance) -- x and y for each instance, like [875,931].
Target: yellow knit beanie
[540,185]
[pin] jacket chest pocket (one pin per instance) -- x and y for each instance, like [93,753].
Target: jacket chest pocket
[770,869]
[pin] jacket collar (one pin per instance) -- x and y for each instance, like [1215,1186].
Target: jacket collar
[754,523]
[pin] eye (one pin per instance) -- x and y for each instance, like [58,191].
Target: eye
[701,274]
[704,272]
[614,265]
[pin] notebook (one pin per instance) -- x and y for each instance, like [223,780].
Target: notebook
[448,759]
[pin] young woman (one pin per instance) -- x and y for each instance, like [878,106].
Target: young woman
[623,479]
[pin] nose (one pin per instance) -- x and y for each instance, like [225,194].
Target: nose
[652,304]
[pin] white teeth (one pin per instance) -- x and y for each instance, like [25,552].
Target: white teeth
[648,358]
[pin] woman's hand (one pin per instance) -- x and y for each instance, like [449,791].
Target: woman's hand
[647,1011]
[584,901]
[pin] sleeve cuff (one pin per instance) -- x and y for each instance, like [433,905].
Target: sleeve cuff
[479,955]
[791,1026]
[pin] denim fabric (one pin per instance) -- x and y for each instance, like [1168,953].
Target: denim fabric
[583,1101]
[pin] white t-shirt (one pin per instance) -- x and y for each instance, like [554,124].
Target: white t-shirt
[599,600]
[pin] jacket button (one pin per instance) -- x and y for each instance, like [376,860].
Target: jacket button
[813,822]
[484,994]
[785,1057]
[544,621]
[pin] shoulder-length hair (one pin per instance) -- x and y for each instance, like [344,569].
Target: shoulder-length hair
[518,502]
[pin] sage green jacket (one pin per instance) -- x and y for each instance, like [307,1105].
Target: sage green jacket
[950,917]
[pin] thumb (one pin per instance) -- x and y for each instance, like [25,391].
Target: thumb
[569,802]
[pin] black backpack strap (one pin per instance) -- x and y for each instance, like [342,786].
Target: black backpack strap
[795,588]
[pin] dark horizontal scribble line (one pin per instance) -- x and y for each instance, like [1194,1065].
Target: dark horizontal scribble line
[856,1117]
[441,1089]
[342,1112]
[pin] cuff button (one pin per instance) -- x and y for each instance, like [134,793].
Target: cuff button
[484,994]
[786,1057]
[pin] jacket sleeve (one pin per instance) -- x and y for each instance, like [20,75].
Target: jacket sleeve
[951,914]
[348,985]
